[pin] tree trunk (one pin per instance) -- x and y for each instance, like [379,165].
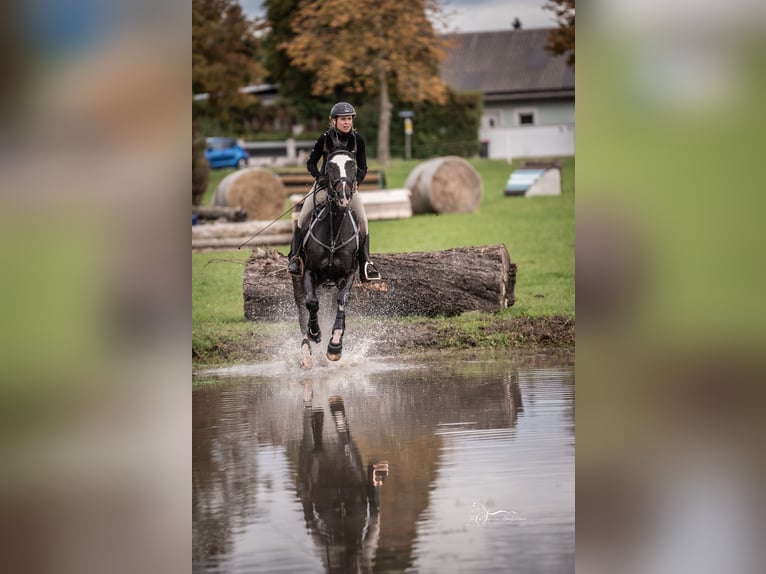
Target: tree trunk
[384,120]
[428,284]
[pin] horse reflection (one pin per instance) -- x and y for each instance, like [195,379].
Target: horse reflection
[339,495]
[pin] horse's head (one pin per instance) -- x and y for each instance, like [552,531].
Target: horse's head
[341,175]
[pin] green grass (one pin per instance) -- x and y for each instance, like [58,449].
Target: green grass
[538,233]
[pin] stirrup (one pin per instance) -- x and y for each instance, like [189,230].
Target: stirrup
[296,259]
[370,273]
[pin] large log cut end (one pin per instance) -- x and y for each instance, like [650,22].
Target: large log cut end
[444,185]
[427,284]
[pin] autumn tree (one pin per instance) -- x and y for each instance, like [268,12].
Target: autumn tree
[294,83]
[561,40]
[384,45]
[224,54]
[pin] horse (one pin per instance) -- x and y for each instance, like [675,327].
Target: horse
[330,246]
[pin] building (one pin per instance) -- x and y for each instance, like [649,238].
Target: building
[529,94]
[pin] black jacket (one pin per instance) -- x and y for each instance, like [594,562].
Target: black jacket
[332,140]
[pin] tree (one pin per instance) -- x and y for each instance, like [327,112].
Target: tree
[294,83]
[390,44]
[224,54]
[561,40]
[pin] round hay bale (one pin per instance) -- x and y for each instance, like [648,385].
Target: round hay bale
[444,185]
[256,190]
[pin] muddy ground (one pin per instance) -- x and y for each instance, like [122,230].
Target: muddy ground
[427,334]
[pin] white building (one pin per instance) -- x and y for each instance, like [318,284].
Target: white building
[529,94]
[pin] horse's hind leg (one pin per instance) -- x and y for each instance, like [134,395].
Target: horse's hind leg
[335,346]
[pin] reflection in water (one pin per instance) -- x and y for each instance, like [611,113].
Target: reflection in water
[339,495]
[410,466]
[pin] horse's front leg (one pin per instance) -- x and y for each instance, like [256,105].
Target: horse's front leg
[312,304]
[299,294]
[335,346]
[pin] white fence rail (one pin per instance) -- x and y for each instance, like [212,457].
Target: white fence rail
[529,141]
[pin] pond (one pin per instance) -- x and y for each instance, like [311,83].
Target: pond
[433,463]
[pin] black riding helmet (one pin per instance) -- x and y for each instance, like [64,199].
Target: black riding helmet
[342,109]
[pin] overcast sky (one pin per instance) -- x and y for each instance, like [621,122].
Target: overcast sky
[472,15]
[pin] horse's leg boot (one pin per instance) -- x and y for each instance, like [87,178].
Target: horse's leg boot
[295,265]
[367,271]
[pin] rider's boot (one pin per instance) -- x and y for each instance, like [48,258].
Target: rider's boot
[295,265]
[367,271]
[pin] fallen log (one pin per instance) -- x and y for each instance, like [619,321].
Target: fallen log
[244,229]
[232,235]
[207,243]
[428,284]
[216,212]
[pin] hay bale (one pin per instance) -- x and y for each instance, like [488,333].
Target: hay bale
[444,185]
[256,190]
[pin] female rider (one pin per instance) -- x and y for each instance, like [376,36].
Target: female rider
[341,135]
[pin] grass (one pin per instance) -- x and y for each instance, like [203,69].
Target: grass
[538,233]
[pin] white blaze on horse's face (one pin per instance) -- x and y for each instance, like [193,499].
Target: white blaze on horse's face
[341,173]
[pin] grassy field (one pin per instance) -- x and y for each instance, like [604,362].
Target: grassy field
[538,233]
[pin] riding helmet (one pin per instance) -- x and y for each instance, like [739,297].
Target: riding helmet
[342,109]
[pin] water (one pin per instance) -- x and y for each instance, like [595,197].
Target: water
[439,463]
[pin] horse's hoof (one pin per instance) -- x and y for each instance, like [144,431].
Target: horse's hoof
[334,351]
[316,337]
[305,355]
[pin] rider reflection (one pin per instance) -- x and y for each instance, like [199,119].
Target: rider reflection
[340,497]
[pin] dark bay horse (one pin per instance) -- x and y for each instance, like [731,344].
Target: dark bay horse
[331,245]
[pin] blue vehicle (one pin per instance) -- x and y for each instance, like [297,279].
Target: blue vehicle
[225,152]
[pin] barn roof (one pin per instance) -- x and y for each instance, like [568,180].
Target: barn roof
[507,64]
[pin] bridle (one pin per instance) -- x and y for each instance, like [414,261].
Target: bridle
[345,185]
[337,189]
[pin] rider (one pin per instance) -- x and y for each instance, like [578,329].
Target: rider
[341,135]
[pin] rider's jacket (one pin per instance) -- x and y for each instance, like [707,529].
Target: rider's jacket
[332,140]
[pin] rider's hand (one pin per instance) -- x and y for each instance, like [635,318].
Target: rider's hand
[322,181]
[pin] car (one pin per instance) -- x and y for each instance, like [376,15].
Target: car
[225,152]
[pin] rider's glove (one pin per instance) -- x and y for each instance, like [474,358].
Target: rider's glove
[322,181]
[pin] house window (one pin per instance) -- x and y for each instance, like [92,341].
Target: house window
[526,118]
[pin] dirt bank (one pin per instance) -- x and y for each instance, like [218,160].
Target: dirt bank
[486,331]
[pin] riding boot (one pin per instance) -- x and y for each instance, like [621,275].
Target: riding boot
[295,265]
[367,271]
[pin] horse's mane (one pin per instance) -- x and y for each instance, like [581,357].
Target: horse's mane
[337,144]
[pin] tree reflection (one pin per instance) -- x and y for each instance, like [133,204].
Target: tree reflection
[333,477]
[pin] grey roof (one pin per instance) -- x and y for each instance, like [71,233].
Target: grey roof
[507,63]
